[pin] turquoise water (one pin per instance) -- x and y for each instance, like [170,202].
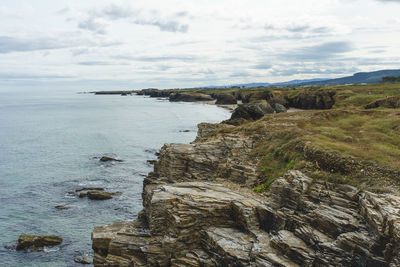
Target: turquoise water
[48,144]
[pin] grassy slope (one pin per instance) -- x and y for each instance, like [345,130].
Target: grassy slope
[366,136]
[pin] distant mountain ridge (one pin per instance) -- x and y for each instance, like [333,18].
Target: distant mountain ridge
[357,78]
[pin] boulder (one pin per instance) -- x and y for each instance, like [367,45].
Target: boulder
[99,195]
[252,111]
[189,97]
[279,108]
[37,243]
[106,159]
[388,102]
[226,99]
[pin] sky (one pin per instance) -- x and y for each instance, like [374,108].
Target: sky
[99,44]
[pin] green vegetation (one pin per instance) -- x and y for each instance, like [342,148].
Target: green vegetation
[336,145]
[372,136]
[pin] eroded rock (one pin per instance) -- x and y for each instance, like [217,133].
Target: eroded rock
[37,243]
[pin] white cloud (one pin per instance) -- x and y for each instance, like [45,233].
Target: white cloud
[175,43]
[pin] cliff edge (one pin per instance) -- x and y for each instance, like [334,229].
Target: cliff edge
[273,192]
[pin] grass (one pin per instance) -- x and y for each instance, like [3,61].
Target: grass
[373,136]
[348,130]
[364,135]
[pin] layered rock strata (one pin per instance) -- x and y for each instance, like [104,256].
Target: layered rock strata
[199,210]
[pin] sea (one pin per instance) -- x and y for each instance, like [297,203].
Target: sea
[50,145]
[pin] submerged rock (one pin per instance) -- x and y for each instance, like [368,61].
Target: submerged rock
[85,259]
[38,243]
[61,207]
[106,159]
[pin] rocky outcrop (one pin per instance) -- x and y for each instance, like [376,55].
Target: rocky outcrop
[313,99]
[189,97]
[301,222]
[113,93]
[225,99]
[37,243]
[252,111]
[155,92]
[272,97]
[388,102]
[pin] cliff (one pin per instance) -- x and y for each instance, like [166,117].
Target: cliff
[315,205]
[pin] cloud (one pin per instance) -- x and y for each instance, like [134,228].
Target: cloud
[10,44]
[98,21]
[389,1]
[14,44]
[184,58]
[93,24]
[322,51]
[261,66]
[101,63]
[24,76]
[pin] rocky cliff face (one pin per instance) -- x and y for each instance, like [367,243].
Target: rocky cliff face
[199,210]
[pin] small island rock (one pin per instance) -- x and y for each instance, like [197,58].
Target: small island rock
[37,242]
[98,195]
[106,159]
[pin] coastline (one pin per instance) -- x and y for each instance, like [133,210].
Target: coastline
[262,193]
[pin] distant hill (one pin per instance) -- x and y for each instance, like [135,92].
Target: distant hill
[357,78]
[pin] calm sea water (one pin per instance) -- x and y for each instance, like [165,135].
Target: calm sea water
[48,144]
